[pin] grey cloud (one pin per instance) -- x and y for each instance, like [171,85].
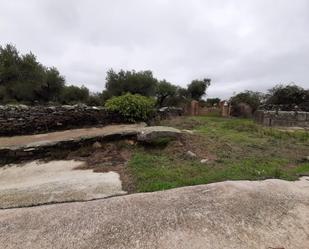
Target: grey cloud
[239,44]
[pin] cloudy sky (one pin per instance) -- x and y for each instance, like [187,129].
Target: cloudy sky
[239,44]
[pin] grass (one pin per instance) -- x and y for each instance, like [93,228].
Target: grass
[239,148]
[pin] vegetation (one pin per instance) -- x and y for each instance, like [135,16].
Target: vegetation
[237,149]
[74,94]
[132,107]
[165,90]
[289,96]
[284,97]
[253,99]
[142,83]
[24,80]
[212,102]
[197,88]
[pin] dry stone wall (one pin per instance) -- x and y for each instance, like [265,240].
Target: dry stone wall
[22,119]
[282,118]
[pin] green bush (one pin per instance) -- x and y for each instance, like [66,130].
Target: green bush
[131,107]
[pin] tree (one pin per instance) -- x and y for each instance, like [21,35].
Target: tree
[9,64]
[24,79]
[253,99]
[212,101]
[53,85]
[197,88]
[286,95]
[26,86]
[95,99]
[74,94]
[142,83]
[164,90]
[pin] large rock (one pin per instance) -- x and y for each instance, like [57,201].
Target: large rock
[152,133]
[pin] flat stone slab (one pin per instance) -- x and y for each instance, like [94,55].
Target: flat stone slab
[19,146]
[29,142]
[37,183]
[234,215]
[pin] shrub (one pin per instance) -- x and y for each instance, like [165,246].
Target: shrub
[131,107]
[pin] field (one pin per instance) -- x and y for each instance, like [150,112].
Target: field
[236,149]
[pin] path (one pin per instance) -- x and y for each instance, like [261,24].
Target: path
[241,214]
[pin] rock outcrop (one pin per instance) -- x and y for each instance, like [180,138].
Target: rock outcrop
[152,133]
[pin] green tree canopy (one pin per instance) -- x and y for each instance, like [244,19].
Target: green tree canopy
[74,94]
[286,95]
[253,99]
[24,79]
[119,83]
[197,88]
[52,86]
[212,101]
[164,90]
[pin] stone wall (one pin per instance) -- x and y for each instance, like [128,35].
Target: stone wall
[21,119]
[282,118]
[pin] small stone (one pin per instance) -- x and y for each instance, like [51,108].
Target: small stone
[190,154]
[205,160]
[130,142]
[97,145]
[306,158]
[178,143]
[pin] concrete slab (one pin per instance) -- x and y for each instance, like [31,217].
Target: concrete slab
[37,183]
[235,215]
[52,138]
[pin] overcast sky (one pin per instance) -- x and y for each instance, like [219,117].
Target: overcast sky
[239,44]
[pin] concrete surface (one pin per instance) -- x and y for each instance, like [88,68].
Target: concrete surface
[52,138]
[31,143]
[234,215]
[38,183]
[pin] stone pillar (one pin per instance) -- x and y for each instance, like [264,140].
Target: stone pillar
[194,108]
[225,109]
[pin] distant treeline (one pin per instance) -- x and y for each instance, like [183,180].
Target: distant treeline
[281,97]
[25,80]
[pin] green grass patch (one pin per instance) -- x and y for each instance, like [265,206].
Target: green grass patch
[243,150]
